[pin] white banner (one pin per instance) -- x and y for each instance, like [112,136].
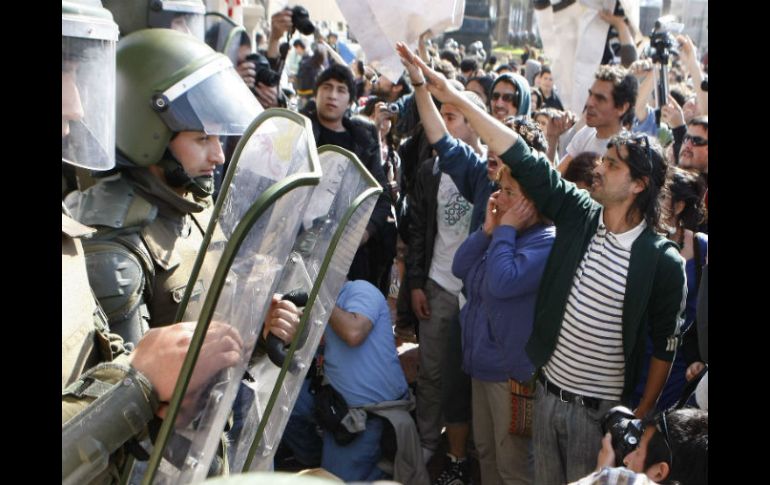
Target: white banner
[574,40]
[379,24]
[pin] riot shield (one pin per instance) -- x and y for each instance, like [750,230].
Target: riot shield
[332,228]
[245,249]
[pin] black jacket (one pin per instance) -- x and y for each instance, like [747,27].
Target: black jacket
[367,147]
[423,227]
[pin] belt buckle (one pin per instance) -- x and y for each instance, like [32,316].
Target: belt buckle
[561,397]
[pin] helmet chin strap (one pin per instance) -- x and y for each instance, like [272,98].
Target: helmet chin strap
[176,176]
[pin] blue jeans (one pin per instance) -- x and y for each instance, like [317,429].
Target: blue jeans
[356,461]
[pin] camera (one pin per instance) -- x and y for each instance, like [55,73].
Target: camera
[300,20]
[393,108]
[626,431]
[264,74]
[662,40]
[662,44]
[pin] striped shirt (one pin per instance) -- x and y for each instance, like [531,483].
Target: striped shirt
[588,359]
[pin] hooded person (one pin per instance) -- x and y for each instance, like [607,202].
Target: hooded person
[509,96]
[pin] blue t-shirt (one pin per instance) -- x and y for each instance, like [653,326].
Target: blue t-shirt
[370,372]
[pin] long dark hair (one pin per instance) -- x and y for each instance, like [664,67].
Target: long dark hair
[646,162]
[688,187]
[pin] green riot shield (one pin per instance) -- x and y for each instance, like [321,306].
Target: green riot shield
[247,244]
[332,228]
[223,35]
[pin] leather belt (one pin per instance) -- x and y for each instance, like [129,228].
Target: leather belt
[569,397]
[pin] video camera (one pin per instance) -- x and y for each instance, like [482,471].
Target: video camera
[626,430]
[662,45]
[662,41]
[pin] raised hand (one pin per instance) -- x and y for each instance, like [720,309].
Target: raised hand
[436,83]
[671,113]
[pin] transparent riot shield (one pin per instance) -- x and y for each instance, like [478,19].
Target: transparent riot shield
[245,249]
[331,231]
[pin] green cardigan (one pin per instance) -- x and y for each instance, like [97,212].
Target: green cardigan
[656,289]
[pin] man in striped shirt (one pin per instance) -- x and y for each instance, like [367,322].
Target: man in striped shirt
[611,281]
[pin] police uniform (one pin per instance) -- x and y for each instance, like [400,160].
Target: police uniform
[141,257]
[93,361]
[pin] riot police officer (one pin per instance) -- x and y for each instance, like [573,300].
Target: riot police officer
[175,97]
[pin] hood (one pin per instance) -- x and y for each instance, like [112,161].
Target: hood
[522,88]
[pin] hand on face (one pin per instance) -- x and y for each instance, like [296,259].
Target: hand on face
[521,214]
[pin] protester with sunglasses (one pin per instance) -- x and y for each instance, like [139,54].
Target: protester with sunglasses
[694,153]
[510,96]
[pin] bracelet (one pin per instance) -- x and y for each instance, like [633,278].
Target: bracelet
[414,85]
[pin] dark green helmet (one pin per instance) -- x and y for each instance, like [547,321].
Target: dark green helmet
[88,84]
[170,82]
[183,15]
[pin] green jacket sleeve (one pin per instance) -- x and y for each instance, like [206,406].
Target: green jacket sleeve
[667,304]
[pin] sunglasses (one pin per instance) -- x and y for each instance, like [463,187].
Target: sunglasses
[507,97]
[697,141]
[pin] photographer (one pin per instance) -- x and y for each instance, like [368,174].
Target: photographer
[258,70]
[673,449]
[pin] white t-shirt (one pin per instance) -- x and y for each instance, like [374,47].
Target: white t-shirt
[585,140]
[453,216]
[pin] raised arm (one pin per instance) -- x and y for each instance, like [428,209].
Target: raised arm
[429,114]
[689,55]
[496,135]
[643,67]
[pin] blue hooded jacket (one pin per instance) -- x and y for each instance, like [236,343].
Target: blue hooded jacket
[522,90]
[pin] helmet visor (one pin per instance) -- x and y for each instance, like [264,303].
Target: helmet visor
[185,17]
[213,99]
[88,102]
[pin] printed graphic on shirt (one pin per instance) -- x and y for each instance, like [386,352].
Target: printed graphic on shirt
[455,209]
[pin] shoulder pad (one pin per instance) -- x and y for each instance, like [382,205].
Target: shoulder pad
[112,202]
[117,277]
